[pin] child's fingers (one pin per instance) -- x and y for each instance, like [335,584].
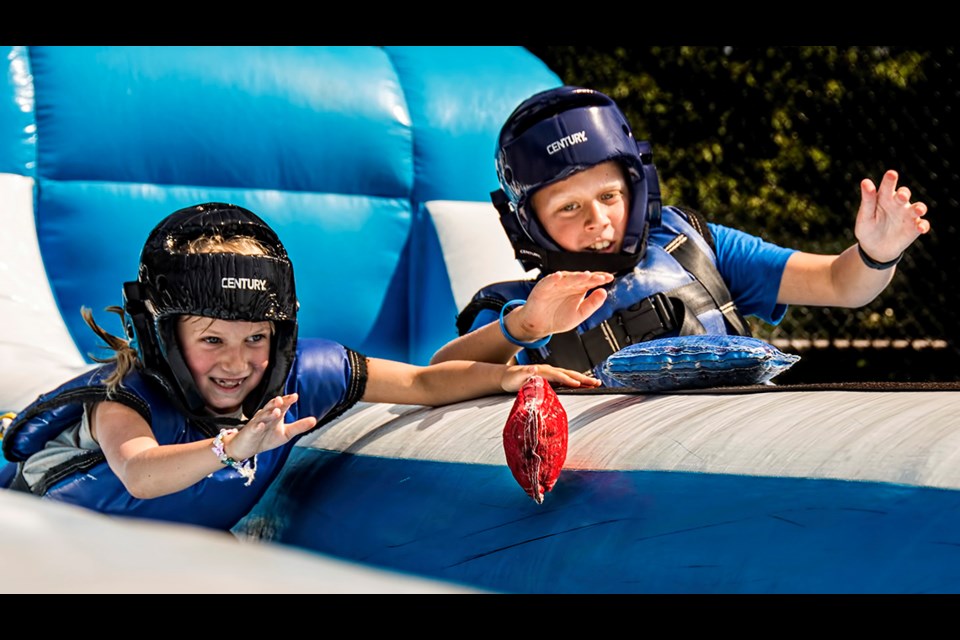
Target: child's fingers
[575,379]
[267,416]
[566,377]
[889,181]
[288,401]
[301,426]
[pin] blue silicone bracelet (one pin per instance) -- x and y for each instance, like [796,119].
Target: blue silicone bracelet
[506,334]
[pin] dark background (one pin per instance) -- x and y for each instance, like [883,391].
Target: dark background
[775,141]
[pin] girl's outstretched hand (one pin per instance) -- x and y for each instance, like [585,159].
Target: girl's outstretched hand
[266,429]
[515,375]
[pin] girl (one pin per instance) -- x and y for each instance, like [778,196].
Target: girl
[198,409]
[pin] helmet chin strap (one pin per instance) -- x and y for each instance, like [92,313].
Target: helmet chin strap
[550,261]
[533,256]
[182,388]
[652,183]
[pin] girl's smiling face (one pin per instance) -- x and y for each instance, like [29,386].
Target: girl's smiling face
[587,211]
[227,358]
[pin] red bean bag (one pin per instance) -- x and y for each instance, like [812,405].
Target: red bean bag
[535,438]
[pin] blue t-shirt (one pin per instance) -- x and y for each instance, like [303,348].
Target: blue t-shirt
[752,269]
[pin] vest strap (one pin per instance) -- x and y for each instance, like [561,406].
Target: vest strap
[80,463]
[645,320]
[703,269]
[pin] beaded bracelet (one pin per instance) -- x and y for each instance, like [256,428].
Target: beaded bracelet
[506,334]
[246,469]
[874,264]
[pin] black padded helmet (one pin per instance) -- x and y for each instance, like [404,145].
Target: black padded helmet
[225,286]
[552,135]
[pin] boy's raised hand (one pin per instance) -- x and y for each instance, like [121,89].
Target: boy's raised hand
[562,300]
[887,222]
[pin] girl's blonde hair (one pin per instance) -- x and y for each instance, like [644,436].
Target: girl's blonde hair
[125,356]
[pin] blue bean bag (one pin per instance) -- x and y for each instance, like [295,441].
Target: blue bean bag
[695,362]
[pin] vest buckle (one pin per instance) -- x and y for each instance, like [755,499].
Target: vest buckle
[651,317]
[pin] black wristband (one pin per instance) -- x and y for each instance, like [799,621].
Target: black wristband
[873,264]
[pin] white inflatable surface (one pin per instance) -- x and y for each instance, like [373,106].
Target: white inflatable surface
[34,335]
[476,250]
[908,437]
[57,548]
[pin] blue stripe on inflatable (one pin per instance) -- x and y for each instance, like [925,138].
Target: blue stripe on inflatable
[459,97]
[18,135]
[102,226]
[380,128]
[617,531]
[291,118]
[433,316]
[7,471]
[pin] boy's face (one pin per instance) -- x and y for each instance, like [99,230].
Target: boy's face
[587,211]
[227,358]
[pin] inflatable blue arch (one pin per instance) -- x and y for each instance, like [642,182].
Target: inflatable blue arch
[375,164]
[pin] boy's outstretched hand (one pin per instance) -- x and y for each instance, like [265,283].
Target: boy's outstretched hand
[887,222]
